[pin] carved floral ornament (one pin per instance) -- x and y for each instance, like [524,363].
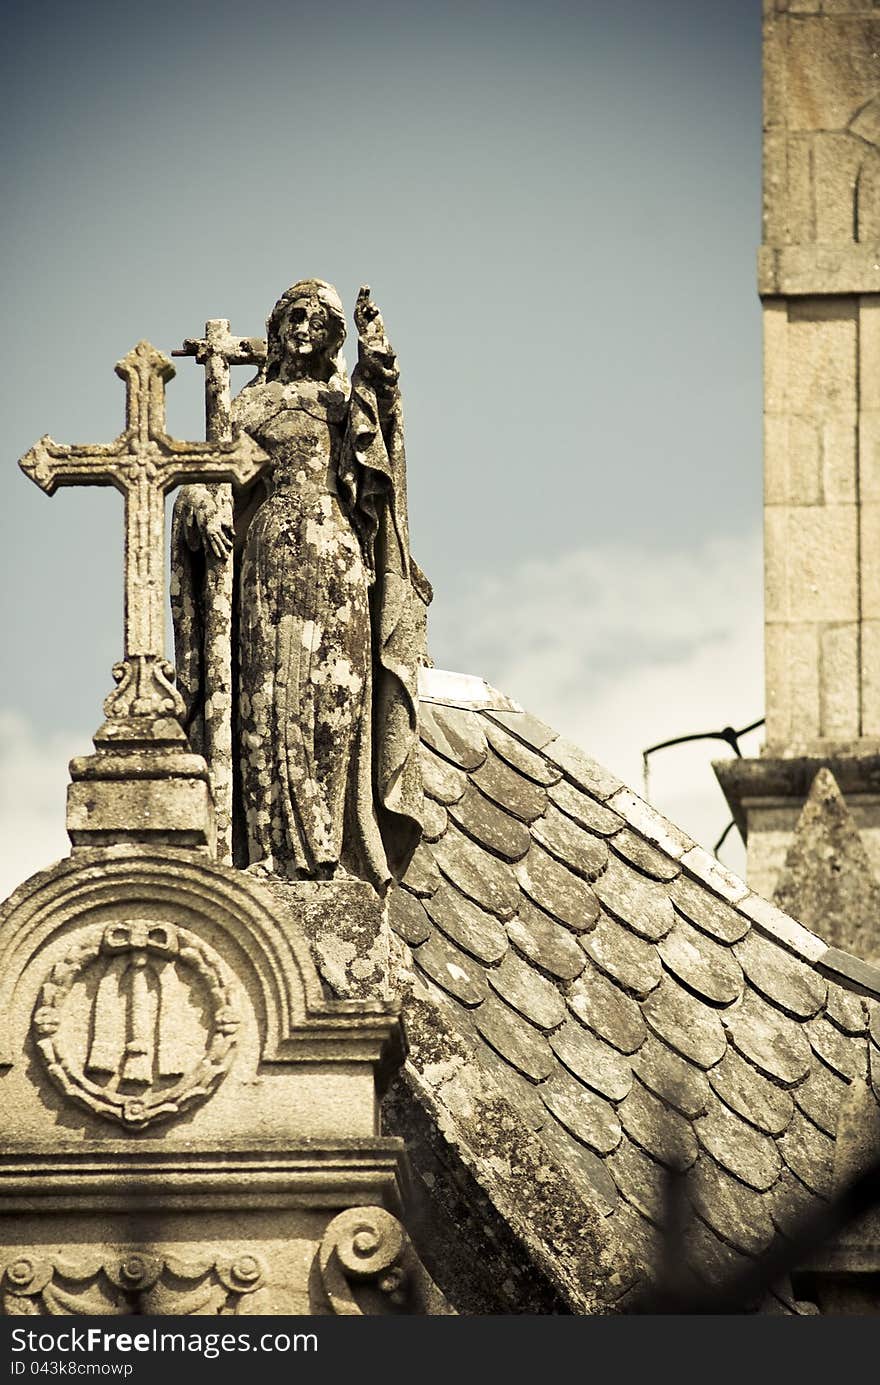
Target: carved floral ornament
[127,1282]
[137,1022]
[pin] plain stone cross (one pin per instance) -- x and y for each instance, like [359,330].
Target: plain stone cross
[143,463]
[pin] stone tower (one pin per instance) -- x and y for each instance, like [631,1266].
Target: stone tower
[819,281]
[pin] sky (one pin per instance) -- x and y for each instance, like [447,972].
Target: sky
[557,208]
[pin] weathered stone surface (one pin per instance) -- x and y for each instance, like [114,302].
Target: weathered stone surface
[556,890]
[736,1213]
[845,1010]
[750,1095]
[469,926]
[525,727]
[650,825]
[545,942]
[526,991]
[452,970]
[789,1202]
[434,819]
[639,1179]
[779,977]
[584,810]
[585,1168]
[635,1231]
[515,1040]
[646,858]
[489,825]
[607,1011]
[454,734]
[592,1060]
[750,1156]
[845,1056]
[809,1154]
[407,916]
[820,1097]
[422,875]
[672,1078]
[775,1044]
[585,1115]
[706,911]
[658,1128]
[511,790]
[641,904]
[571,845]
[710,1258]
[628,959]
[481,876]
[519,756]
[694,1031]
[701,965]
[583,772]
[442,781]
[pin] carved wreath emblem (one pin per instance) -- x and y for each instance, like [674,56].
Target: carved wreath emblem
[137,1022]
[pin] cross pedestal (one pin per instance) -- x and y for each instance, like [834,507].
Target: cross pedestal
[143,784]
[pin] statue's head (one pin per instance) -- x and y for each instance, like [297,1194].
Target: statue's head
[305,332]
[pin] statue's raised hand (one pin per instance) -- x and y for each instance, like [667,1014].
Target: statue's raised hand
[368,320]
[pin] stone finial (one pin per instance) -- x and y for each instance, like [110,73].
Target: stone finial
[827,881]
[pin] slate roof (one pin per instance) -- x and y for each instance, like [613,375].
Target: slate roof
[637,1004]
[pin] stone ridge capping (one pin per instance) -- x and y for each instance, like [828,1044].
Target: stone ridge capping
[849,972]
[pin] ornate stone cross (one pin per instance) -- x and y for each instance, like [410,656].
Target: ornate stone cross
[143,463]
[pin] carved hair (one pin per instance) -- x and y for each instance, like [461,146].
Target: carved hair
[330,301]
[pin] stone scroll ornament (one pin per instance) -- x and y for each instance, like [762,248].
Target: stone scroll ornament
[137,1023]
[128,1283]
[369,1267]
[320,604]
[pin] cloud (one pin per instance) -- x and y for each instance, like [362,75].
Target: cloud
[619,647]
[33,787]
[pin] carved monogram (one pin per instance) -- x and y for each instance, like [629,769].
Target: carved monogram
[130,1282]
[137,1022]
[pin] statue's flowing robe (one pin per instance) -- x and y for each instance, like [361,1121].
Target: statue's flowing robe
[384,798]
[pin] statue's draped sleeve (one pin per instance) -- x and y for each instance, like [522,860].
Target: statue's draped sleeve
[372,476]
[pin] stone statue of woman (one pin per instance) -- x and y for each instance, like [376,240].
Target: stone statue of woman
[325,625]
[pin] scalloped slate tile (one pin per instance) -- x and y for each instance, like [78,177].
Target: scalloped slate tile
[583,1167]
[874,1021]
[511,790]
[809,1154]
[821,1096]
[455,734]
[658,1129]
[489,825]
[598,1004]
[434,820]
[710,1257]
[637,1235]
[407,917]
[768,1039]
[520,757]
[586,1116]
[701,964]
[779,977]
[521,1095]
[515,1040]
[454,972]
[481,876]
[585,773]
[740,1149]
[845,1010]
[641,904]
[580,851]
[845,1055]
[745,1091]
[442,781]
[736,1213]
[545,942]
[528,992]
[639,1180]
[671,1078]
[585,811]
[592,1060]
[646,858]
[422,875]
[628,959]
[708,913]
[556,890]
[524,726]
[692,1029]
[789,1202]
[469,926]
